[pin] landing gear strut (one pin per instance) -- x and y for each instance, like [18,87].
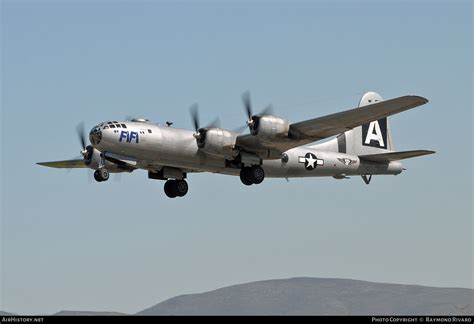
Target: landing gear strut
[101,175]
[252,175]
[176,188]
[366,178]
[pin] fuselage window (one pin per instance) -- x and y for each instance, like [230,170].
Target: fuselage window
[124,126]
[112,126]
[149,131]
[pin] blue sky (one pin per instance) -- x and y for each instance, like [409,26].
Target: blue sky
[70,243]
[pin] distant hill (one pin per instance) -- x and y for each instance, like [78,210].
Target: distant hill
[2,313]
[314,296]
[86,313]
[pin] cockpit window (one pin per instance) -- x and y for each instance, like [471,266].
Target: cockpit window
[115,122]
[110,123]
[118,126]
[112,126]
[105,127]
[124,126]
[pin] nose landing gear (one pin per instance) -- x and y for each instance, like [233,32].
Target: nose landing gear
[101,175]
[176,188]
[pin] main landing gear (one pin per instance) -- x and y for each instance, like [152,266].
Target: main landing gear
[252,175]
[176,188]
[101,175]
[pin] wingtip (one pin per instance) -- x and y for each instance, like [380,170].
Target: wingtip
[428,152]
[423,99]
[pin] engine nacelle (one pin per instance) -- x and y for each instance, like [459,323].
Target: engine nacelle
[92,160]
[270,127]
[217,141]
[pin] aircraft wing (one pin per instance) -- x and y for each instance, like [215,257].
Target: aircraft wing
[67,164]
[323,127]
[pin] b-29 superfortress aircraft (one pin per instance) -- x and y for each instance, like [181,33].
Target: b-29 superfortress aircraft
[274,148]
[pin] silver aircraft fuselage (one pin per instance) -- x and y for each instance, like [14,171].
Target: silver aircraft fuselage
[153,146]
[273,148]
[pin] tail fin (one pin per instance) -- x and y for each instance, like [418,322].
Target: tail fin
[372,141]
[371,138]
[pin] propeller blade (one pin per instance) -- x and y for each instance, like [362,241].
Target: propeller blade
[90,175]
[240,129]
[216,123]
[195,116]
[267,111]
[247,104]
[81,134]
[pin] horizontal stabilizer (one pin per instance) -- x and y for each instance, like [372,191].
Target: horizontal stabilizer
[394,156]
[68,164]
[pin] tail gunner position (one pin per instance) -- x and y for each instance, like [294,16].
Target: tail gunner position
[274,147]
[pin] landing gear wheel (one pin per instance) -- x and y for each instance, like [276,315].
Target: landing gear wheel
[104,174]
[101,175]
[257,174]
[176,188]
[244,177]
[181,187]
[170,189]
[252,175]
[97,176]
